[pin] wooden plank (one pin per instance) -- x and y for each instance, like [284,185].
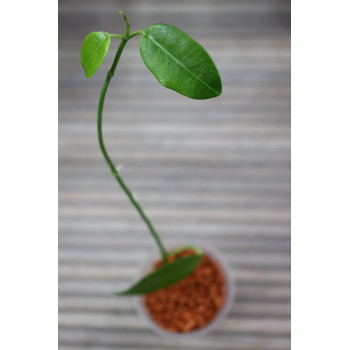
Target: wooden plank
[117,273]
[111,304]
[118,340]
[127,242]
[102,320]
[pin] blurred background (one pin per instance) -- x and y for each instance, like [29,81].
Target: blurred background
[215,170]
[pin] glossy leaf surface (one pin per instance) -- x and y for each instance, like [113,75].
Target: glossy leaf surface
[164,276]
[93,51]
[179,62]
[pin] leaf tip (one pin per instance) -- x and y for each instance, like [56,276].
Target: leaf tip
[87,76]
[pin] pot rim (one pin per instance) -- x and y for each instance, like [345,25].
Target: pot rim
[219,258]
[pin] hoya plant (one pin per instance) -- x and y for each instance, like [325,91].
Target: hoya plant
[179,63]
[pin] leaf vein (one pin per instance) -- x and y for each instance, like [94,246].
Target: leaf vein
[179,63]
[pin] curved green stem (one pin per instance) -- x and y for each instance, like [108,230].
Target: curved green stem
[136,33]
[127,37]
[120,36]
[114,171]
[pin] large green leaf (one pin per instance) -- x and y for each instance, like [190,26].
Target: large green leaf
[164,276]
[93,51]
[179,62]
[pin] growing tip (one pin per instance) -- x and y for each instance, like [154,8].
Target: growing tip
[126,22]
[124,17]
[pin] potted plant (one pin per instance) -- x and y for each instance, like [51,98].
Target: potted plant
[189,288]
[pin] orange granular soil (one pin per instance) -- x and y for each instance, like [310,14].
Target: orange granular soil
[191,303]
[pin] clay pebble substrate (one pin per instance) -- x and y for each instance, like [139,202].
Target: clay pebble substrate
[193,302]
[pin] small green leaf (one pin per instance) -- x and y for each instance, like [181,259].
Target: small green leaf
[164,276]
[192,247]
[93,51]
[179,62]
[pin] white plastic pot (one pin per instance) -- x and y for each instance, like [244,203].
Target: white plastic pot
[147,265]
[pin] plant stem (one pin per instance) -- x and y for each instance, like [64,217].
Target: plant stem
[114,171]
[117,36]
[136,33]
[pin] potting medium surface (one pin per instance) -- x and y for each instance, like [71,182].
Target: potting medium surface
[192,303]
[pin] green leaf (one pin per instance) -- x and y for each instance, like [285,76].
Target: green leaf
[192,247]
[93,51]
[164,276]
[179,62]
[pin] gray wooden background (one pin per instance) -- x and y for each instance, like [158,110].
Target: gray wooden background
[216,170]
